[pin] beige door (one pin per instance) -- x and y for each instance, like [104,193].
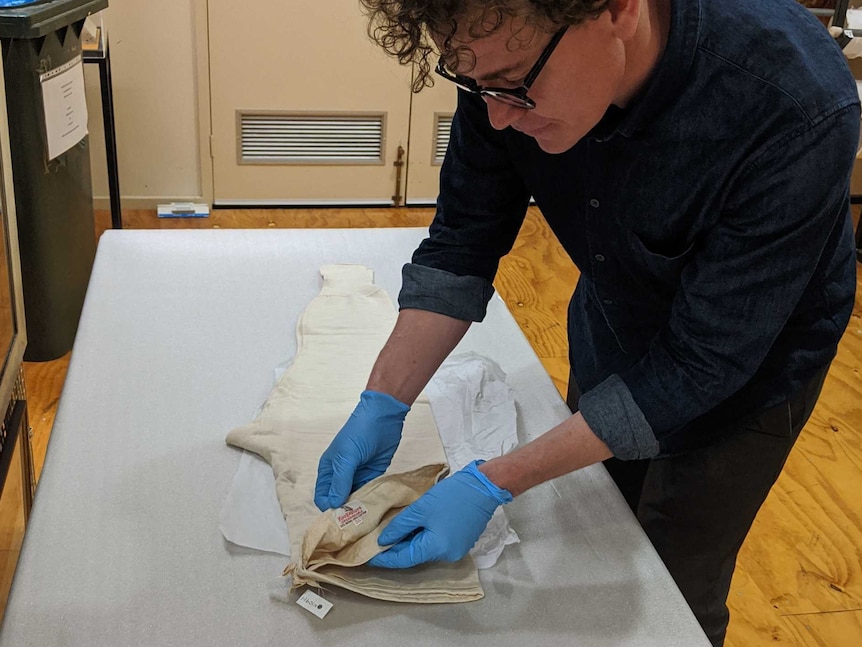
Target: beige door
[305,108]
[431,116]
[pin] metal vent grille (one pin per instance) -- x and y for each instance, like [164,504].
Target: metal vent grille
[15,426]
[442,128]
[282,138]
[18,394]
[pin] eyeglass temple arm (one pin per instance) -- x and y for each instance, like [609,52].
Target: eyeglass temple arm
[544,57]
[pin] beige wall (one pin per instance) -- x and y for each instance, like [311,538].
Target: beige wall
[154,64]
[156,74]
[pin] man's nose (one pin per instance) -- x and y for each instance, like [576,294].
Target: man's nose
[502,115]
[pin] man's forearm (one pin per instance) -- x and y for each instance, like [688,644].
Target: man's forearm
[419,343]
[567,447]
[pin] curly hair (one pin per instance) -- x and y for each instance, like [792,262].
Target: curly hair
[412,30]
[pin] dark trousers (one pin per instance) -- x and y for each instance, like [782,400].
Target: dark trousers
[698,506]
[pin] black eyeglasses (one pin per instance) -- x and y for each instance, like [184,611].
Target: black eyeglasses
[513,96]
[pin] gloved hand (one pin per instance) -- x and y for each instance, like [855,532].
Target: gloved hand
[444,523]
[362,450]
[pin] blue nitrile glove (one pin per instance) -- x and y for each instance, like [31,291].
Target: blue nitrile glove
[362,450]
[447,521]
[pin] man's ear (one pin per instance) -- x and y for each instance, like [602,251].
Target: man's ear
[625,16]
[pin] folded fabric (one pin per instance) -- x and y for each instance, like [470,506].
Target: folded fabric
[340,540]
[474,410]
[339,337]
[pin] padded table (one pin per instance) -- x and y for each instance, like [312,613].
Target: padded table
[177,343]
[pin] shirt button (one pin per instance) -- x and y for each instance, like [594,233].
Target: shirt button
[594,203]
[608,302]
[600,258]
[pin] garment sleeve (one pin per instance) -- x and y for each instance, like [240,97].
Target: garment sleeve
[738,292]
[480,208]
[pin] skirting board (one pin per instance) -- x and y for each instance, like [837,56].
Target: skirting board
[103,203]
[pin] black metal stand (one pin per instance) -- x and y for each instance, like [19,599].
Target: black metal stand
[103,58]
[857,199]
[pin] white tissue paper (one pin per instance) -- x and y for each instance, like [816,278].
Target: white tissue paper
[475,413]
[251,515]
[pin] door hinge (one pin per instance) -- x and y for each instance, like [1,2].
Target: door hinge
[212,147]
[398,199]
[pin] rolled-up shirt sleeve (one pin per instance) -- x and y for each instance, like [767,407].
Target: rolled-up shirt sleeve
[738,292]
[480,209]
[429,288]
[613,415]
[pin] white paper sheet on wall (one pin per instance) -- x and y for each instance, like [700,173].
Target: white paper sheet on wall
[65,105]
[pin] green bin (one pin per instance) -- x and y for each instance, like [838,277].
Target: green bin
[53,197]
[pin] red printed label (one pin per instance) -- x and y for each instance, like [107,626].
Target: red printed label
[350,514]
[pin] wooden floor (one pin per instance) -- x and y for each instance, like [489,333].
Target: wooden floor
[799,576]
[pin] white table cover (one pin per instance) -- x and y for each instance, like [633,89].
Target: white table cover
[177,342]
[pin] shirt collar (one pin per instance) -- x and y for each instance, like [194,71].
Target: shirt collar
[667,79]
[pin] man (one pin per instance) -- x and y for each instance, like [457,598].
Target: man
[693,158]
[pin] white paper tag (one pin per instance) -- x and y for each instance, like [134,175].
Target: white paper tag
[315,604]
[348,514]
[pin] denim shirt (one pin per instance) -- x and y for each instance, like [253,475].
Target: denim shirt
[710,221]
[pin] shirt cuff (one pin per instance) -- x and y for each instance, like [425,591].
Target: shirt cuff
[614,416]
[428,288]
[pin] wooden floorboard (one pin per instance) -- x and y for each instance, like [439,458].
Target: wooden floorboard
[836,629]
[799,574]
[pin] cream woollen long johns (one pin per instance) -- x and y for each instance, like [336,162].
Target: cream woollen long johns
[339,337]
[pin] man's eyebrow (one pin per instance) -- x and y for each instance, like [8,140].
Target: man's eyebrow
[501,73]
